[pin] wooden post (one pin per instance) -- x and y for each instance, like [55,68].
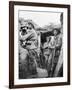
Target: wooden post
[59,64]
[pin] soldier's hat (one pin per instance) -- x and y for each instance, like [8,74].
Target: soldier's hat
[57,28]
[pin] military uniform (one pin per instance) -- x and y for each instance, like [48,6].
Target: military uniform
[27,52]
[51,51]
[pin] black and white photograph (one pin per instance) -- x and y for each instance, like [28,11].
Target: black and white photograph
[39,44]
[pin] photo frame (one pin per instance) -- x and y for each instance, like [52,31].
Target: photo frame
[49,63]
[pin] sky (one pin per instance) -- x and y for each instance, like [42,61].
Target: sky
[41,18]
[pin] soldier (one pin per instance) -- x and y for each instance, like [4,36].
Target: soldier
[27,42]
[47,54]
[52,45]
[56,44]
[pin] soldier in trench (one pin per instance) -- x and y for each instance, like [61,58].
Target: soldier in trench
[51,51]
[27,46]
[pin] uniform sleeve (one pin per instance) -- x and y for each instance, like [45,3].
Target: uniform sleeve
[59,42]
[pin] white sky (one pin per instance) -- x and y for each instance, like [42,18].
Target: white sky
[41,18]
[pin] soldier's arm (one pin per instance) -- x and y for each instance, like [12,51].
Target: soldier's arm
[59,42]
[25,36]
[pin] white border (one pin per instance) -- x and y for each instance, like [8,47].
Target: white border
[41,80]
